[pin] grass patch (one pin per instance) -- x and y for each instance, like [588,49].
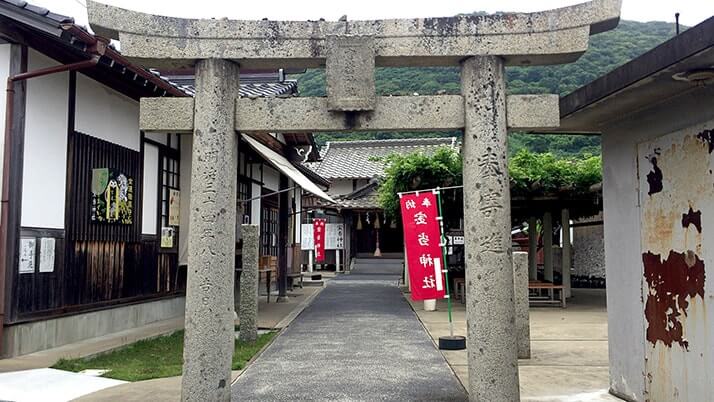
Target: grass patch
[155,358]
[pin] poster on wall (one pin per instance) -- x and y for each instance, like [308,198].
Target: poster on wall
[167,237]
[112,197]
[306,237]
[27,255]
[47,254]
[174,207]
[334,236]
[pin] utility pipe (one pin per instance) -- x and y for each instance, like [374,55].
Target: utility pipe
[7,155]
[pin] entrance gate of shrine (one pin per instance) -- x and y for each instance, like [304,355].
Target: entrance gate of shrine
[349,50]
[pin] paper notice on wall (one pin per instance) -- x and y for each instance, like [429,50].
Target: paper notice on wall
[167,237]
[47,254]
[27,256]
[174,207]
[306,237]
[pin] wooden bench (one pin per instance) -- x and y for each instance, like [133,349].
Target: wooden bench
[551,287]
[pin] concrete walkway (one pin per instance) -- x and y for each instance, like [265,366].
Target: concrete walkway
[569,358]
[358,340]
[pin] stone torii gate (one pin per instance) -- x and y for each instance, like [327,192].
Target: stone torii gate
[349,50]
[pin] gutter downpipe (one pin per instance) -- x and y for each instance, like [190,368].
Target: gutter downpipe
[7,155]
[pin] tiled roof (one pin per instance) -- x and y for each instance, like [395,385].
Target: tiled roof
[365,197]
[249,87]
[75,37]
[355,159]
[40,11]
[252,85]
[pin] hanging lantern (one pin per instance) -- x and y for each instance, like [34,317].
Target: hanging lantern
[359,221]
[376,220]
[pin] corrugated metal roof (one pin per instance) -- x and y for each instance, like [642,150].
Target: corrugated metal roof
[356,159]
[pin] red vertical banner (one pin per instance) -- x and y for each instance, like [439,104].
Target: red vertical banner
[318,234]
[422,240]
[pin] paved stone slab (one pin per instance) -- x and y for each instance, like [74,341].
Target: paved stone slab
[48,384]
[359,340]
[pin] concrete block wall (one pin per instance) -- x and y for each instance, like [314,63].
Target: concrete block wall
[35,336]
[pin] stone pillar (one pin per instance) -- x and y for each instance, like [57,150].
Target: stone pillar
[249,284]
[209,338]
[565,218]
[548,247]
[520,286]
[533,248]
[490,311]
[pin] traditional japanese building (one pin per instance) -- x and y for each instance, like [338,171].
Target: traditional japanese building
[354,169]
[94,211]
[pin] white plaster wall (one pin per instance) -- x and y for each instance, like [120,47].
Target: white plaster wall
[45,155]
[149,190]
[623,259]
[255,204]
[184,206]
[340,186]
[105,113]
[4,73]
[271,178]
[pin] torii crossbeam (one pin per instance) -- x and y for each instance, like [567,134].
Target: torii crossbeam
[349,50]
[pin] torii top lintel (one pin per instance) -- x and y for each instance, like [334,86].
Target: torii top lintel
[547,37]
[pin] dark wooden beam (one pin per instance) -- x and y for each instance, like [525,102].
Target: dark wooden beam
[283,217]
[18,64]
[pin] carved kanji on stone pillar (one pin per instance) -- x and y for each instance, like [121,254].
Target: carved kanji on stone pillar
[350,73]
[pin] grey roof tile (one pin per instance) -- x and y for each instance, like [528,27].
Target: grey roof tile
[41,11]
[355,159]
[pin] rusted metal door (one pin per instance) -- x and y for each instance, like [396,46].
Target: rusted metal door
[677,223]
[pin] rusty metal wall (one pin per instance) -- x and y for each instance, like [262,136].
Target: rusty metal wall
[676,195]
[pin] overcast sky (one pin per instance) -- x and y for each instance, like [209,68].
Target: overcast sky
[691,12]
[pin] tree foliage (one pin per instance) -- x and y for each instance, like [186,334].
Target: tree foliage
[606,51]
[417,171]
[531,174]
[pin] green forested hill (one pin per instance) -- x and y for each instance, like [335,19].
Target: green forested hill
[607,51]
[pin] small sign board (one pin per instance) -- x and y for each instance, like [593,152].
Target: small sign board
[47,254]
[27,255]
[335,236]
[167,237]
[306,240]
[174,207]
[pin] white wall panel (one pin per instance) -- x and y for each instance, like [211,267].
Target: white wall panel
[271,178]
[150,189]
[105,113]
[45,157]
[4,72]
